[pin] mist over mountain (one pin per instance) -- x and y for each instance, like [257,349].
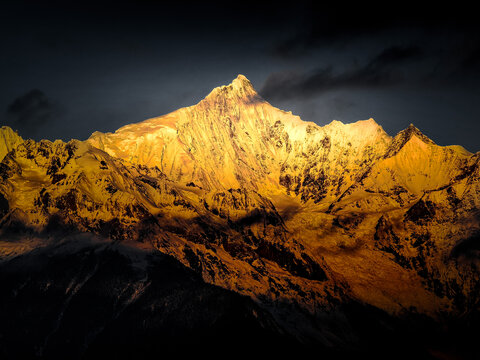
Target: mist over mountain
[232,223]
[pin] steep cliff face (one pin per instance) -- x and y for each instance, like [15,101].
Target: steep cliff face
[9,140]
[233,138]
[330,159]
[303,219]
[223,142]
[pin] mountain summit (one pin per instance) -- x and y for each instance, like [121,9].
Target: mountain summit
[337,235]
[239,88]
[233,138]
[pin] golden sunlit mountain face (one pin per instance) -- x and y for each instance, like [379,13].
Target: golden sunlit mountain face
[323,228]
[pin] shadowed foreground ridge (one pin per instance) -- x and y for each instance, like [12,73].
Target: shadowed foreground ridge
[230,224]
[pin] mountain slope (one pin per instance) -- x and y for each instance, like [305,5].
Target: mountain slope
[304,220]
[82,310]
[233,138]
[234,239]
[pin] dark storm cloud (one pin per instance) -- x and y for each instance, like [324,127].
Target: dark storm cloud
[31,111]
[396,54]
[382,70]
[331,24]
[341,104]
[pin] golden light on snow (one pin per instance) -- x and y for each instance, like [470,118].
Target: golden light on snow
[313,207]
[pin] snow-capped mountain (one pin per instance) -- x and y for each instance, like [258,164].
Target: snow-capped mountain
[302,219]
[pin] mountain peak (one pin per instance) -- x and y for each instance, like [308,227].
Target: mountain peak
[412,130]
[241,82]
[239,89]
[404,137]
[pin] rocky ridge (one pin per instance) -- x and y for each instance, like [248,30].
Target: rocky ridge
[291,214]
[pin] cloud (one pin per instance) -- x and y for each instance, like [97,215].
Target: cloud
[31,111]
[396,54]
[331,24]
[382,70]
[340,104]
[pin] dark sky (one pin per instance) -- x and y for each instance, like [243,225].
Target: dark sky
[68,68]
